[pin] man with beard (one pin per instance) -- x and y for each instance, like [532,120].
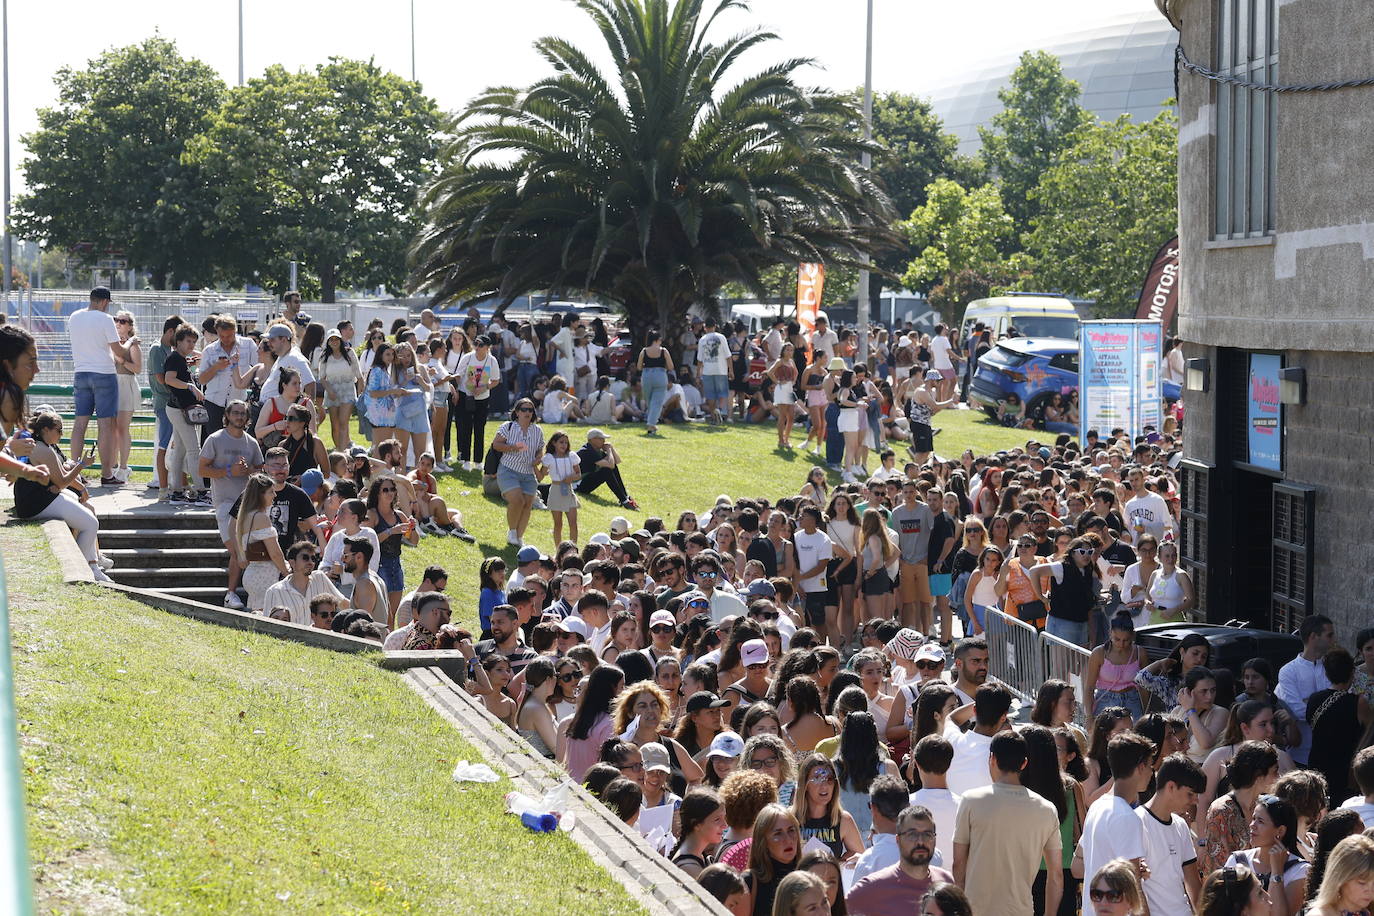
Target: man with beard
[897,889]
[292,513]
[228,458]
[369,591]
[505,638]
[970,668]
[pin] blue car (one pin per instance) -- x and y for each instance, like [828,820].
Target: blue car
[1034,369]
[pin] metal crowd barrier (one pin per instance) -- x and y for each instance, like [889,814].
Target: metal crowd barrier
[1067,661]
[1014,654]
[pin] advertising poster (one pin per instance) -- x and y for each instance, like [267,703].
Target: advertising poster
[1264,413]
[1118,377]
[810,286]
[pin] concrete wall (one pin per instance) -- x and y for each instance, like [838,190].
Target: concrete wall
[1306,290]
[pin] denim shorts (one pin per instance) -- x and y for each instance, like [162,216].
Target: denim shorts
[508,479]
[715,387]
[96,394]
[389,568]
[164,427]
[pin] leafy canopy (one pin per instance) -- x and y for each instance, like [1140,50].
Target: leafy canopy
[957,230]
[654,184]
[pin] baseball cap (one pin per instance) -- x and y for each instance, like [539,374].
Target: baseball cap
[658,618]
[761,588]
[311,480]
[357,451]
[688,598]
[601,538]
[574,625]
[726,744]
[655,757]
[643,533]
[620,526]
[1044,453]
[904,340]
[754,652]
[905,644]
[595,433]
[933,375]
[332,333]
[280,330]
[705,699]
[528,555]
[930,652]
[630,546]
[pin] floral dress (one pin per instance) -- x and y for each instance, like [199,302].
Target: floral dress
[1227,830]
[381,411]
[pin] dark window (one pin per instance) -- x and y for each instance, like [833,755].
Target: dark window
[1195,481]
[1243,173]
[1066,361]
[1294,507]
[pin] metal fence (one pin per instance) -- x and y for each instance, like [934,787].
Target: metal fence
[44,313]
[1067,661]
[1014,655]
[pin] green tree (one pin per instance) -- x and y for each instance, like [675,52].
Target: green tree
[958,236]
[106,165]
[653,185]
[1105,208]
[324,168]
[1038,121]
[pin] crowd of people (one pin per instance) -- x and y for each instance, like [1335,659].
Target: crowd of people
[781,674]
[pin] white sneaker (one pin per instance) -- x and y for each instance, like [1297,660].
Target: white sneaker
[152,484]
[99,573]
[105,561]
[539,504]
[848,477]
[233,601]
[441,467]
[432,527]
[512,538]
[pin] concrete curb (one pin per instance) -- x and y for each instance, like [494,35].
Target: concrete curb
[647,875]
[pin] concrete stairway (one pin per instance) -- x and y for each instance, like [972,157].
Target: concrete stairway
[172,549]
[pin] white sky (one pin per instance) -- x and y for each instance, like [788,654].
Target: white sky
[463,46]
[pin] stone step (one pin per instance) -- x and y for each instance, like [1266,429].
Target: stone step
[166,519]
[159,538]
[171,577]
[155,557]
[207,594]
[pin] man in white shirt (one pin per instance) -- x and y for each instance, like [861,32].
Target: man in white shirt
[940,361]
[968,768]
[933,755]
[283,344]
[594,611]
[886,801]
[814,552]
[823,340]
[773,340]
[1304,676]
[715,369]
[1363,804]
[1146,511]
[304,583]
[220,366]
[1174,885]
[95,390]
[709,577]
[1112,830]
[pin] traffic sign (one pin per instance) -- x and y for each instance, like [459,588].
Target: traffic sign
[111,264]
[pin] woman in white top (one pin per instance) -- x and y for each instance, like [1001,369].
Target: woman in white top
[559,404]
[526,361]
[563,469]
[1135,583]
[1171,589]
[843,528]
[981,592]
[338,372]
[258,543]
[439,376]
[1274,857]
[561,347]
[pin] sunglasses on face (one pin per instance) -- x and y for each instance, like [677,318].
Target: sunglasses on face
[700,605]
[1083,551]
[756,667]
[765,615]
[661,628]
[707,574]
[388,490]
[308,557]
[327,615]
[1098,895]
[928,665]
[123,321]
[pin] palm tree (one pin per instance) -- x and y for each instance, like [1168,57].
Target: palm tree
[654,188]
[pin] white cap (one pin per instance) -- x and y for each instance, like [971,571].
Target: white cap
[601,539]
[575,625]
[620,526]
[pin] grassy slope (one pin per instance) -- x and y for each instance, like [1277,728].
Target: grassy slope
[685,467]
[175,766]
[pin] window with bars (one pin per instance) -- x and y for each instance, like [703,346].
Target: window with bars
[1194,498]
[1246,48]
[1294,509]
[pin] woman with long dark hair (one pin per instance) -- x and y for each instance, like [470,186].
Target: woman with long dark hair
[862,758]
[580,735]
[1112,667]
[653,364]
[1273,855]
[1043,776]
[701,827]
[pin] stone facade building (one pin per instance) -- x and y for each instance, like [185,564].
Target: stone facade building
[1276,227]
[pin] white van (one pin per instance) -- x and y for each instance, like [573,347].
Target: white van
[758,317]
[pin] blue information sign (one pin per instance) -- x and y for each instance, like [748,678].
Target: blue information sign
[1264,413]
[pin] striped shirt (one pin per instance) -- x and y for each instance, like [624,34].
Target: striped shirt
[284,594]
[533,439]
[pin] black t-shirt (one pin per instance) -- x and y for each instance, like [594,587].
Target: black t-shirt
[941,530]
[964,562]
[1119,554]
[1044,548]
[289,508]
[177,366]
[589,456]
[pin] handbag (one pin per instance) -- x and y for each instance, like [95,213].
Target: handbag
[1031,610]
[196,414]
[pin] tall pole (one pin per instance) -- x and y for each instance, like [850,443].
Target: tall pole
[412,41]
[867,160]
[5,66]
[240,42]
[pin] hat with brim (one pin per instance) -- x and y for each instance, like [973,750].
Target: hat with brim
[726,744]
[655,757]
[837,364]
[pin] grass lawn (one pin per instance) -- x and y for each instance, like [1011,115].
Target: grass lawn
[175,766]
[684,467]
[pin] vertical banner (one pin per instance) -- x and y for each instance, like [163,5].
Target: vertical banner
[810,287]
[1159,295]
[1264,413]
[1118,377]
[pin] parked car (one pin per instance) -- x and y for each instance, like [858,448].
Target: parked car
[1032,368]
[1231,646]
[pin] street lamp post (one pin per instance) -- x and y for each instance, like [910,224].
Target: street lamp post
[412,41]
[5,66]
[867,160]
[240,42]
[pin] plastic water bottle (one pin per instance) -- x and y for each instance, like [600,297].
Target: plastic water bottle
[24,434]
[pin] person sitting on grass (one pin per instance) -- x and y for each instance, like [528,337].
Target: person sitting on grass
[436,517]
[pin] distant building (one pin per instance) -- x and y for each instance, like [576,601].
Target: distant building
[1125,65]
[1276,227]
